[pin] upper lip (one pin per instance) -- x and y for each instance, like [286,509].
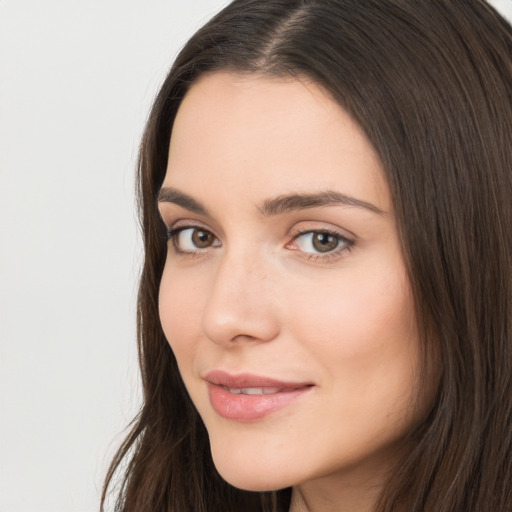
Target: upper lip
[247,380]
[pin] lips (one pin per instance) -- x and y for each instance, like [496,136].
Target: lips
[247,397]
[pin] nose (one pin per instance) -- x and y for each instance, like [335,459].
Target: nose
[242,303]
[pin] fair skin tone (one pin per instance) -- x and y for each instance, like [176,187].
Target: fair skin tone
[309,290]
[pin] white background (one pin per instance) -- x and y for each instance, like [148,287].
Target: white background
[76,82]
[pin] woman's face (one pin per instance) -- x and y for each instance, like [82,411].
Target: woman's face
[284,295]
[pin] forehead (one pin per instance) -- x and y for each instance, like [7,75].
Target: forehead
[258,133]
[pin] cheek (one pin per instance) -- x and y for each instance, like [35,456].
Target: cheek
[360,311]
[179,309]
[363,332]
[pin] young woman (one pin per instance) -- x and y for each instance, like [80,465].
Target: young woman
[325,309]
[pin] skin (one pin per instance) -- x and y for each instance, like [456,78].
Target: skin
[260,298]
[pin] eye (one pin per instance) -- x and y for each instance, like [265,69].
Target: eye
[320,242]
[192,239]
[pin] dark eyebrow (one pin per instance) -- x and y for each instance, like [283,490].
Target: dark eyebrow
[172,195]
[292,202]
[276,206]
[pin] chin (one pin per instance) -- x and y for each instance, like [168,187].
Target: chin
[255,474]
[248,480]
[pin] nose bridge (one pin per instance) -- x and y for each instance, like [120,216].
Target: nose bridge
[240,304]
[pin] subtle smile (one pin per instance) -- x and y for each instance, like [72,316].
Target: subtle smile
[248,397]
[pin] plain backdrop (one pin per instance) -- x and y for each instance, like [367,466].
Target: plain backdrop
[76,82]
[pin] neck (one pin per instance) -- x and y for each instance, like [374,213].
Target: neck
[335,494]
[304,501]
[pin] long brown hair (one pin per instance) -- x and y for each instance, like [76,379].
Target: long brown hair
[430,83]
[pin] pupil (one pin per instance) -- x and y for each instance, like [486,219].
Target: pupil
[323,242]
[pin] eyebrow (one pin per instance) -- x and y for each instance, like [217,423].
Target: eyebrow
[293,202]
[276,206]
[172,195]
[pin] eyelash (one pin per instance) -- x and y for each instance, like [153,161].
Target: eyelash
[346,243]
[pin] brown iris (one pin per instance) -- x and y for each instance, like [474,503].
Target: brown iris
[202,239]
[324,242]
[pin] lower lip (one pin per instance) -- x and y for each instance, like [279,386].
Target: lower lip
[240,407]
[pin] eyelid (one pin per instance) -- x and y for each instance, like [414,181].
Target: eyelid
[184,223]
[174,217]
[302,228]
